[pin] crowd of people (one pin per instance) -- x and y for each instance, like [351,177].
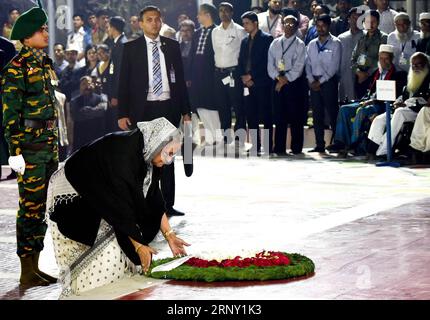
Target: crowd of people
[270,69]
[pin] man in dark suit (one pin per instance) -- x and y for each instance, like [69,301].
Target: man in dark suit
[115,30]
[7,52]
[253,70]
[152,85]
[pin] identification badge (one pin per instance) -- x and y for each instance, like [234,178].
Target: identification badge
[245,92]
[226,80]
[172,76]
[403,61]
[111,68]
[281,65]
[231,82]
[362,60]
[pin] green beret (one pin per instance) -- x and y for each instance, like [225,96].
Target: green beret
[28,23]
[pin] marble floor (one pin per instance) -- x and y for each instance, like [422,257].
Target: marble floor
[366,228]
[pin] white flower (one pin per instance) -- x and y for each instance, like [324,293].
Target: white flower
[226,254]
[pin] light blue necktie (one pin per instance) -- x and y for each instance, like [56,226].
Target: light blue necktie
[157,83]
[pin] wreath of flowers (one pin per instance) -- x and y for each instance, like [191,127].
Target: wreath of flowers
[263,266]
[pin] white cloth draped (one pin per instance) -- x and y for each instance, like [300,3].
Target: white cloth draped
[420,138]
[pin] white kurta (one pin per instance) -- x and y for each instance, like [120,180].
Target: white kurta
[346,84]
[420,138]
[377,129]
[405,49]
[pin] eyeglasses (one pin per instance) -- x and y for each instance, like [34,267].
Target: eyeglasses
[289,24]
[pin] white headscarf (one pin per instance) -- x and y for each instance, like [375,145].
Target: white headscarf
[156,135]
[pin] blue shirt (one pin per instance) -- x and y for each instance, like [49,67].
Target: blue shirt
[323,59]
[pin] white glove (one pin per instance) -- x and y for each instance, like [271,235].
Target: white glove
[17,164]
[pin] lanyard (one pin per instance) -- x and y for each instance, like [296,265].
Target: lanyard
[403,46]
[321,48]
[282,44]
[273,24]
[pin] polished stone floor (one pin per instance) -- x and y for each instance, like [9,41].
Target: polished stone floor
[366,228]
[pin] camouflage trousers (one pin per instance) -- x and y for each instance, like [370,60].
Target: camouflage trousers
[33,186]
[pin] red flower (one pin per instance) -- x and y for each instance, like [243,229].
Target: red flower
[261,259]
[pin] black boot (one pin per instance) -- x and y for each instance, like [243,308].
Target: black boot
[45,276]
[11,176]
[29,277]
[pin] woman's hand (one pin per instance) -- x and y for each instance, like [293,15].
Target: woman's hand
[177,245]
[145,254]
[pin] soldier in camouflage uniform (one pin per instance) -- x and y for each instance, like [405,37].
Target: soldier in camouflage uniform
[29,118]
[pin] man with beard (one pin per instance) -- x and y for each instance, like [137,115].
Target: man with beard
[414,97]
[404,41]
[271,20]
[351,118]
[365,55]
[423,44]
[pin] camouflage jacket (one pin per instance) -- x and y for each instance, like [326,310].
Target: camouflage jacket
[27,93]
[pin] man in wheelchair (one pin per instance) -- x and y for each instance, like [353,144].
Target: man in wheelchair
[406,108]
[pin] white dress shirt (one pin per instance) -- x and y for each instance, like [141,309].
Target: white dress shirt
[76,40]
[226,44]
[386,21]
[270,26]
[164,75]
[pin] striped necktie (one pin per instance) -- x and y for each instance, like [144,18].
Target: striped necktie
[157,83]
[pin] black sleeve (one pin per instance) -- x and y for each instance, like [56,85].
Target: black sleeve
[123,84]
[116,72]
[242,58]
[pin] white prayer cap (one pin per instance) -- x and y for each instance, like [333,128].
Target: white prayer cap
[402,16]
[386,48]
[290,16]
[72,47]
[424,16]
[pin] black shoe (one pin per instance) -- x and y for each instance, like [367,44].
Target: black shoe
[335,147]
[317,149]
[342,154]
[173,212]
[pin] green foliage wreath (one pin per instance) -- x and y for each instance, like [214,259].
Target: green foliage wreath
[300,266]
